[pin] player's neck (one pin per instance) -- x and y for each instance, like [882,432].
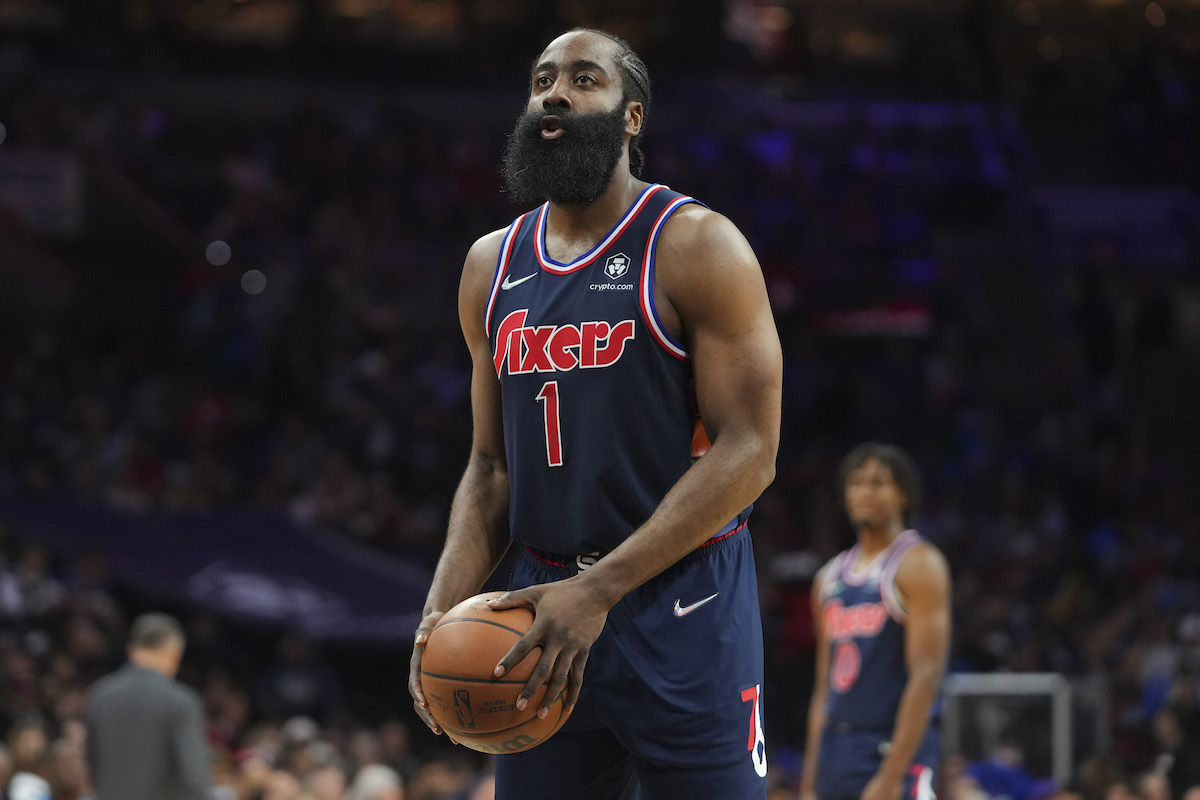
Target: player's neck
[594,220]
[874,539]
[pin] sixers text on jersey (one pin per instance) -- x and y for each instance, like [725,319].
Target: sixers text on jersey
[558,348]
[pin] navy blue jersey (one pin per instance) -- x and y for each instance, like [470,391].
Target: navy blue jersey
[863,620]
[596,395]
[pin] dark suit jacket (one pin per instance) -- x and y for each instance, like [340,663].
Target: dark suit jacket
[146,738]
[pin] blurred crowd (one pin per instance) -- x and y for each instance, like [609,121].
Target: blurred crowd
[1050,405]
[281,724]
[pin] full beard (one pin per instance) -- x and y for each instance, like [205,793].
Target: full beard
[573,169]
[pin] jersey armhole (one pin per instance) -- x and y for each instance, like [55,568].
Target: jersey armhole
[892,599]
[646,288]
[833,571]
[502,261]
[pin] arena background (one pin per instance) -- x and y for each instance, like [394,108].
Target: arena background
[232,384]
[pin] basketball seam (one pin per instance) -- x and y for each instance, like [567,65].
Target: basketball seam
[469,679]
[476,619]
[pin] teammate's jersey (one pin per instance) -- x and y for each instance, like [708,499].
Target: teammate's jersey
[863,620]
[595,392]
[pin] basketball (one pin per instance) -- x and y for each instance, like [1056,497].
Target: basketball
[473,706]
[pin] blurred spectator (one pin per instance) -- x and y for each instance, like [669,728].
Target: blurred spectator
[376,782]
[6,767]
[485,789]
[68,775]
[1175,734]
[281,785]
[31,593]
[444,778]
[27,741]
[1004,776]
[957,782]
[1153,785]
[1120,790]
[326,782]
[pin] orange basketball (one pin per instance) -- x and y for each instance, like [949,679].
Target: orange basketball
[473,706]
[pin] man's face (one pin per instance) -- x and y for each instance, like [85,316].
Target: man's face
[873,498]
[567,144]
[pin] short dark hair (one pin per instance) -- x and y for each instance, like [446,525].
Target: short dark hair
[902,466]
[154,631]
[635,81]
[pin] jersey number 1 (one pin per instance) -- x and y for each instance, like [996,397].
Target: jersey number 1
[548,396]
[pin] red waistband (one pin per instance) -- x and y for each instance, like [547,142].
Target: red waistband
[568,562]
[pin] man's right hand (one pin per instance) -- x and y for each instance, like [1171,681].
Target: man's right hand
[414,671]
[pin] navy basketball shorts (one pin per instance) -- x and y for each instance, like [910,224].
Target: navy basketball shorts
[671,705]
[850,757]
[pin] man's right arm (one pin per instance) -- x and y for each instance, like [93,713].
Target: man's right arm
[820,693]
[477,533]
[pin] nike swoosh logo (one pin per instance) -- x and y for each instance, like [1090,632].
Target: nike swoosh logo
[509,283]
[681,611]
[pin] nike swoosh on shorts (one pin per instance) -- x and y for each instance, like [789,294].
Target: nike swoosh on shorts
[681,611]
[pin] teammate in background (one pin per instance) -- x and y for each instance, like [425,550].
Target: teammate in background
[600,325]
[882,612]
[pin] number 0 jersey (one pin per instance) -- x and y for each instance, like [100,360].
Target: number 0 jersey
[596,395]
[864,626]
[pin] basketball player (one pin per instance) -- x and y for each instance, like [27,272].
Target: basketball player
[882,612]
[600,324]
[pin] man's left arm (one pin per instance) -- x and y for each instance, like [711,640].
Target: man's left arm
[923,581]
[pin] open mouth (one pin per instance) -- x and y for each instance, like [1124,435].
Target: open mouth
[551,127]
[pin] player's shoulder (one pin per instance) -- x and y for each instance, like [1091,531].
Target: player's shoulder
[479,267]
[696,225]
[702,249]
[921,544]
[922,559]
[486,249]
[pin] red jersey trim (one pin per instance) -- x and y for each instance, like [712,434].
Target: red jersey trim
[502,261]
[646,291]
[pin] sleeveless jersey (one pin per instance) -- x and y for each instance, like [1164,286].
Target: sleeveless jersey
[863,620]
[596,394]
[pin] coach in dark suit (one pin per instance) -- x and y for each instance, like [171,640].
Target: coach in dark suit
[146,730]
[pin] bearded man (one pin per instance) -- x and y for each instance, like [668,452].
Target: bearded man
[626,393]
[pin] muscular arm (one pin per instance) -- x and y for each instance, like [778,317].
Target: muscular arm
[477,534]
[923,581]
[710,290]
[820,694]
